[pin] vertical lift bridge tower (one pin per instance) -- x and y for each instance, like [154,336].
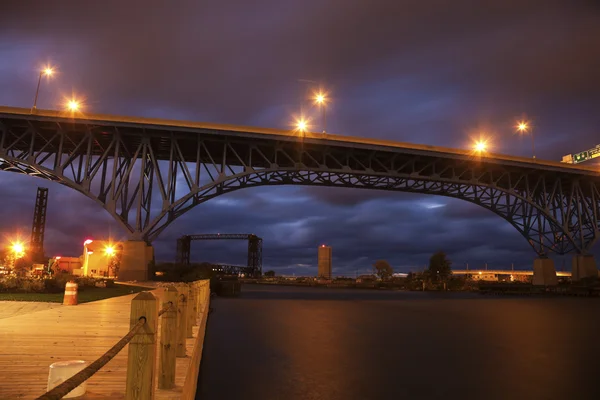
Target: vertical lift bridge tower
[36,243]
[254,248]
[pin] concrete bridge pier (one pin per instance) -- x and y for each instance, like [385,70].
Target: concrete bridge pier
[137,254]
[583,266]
[544,273]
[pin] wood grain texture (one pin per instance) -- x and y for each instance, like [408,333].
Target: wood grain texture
[141,356]
[168,340]
[29,343]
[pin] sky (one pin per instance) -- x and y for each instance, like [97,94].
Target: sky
[429,71]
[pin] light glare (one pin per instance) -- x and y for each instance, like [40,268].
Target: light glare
[480,146]
[522,126]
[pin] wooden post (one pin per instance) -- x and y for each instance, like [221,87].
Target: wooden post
[168,340]
[190,308]
[142,349]
[198,297]
[182,320]
[193,306]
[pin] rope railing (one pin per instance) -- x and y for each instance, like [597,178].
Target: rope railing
[64,388]
[173,342]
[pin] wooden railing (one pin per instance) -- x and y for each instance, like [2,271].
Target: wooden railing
[181,306]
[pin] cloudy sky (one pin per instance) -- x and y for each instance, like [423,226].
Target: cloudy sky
[428,71]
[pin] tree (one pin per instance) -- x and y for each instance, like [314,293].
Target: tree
[114,262]
[383,269]
[270,274]
[439,266]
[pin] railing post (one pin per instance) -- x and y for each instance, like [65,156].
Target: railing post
[188,315]
[193,307]
[182,314]
[168,340]
[142,349]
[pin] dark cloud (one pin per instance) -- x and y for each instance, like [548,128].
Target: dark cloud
[434,72]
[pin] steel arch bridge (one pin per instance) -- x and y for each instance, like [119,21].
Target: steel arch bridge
[148,172]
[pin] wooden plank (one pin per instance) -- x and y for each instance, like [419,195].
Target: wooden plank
[29,343]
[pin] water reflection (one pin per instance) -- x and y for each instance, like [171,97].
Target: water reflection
[303,343]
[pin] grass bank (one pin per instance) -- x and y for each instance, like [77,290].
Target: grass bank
[84,296]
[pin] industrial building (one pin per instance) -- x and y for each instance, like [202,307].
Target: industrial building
[324,262]
[98,256]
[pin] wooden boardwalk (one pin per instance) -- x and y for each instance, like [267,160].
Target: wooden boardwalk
[29,343]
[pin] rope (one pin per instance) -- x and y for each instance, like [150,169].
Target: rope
[168,307]
[64,388]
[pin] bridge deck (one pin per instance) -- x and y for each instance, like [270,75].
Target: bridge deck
[339,140]
[31,342]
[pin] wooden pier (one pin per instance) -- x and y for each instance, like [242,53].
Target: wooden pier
[29,343]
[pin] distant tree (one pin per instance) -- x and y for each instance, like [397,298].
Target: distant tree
[114,262]
[383,269]
[270,273]
[439,266]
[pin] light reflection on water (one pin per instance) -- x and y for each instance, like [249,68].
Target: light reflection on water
[302,343]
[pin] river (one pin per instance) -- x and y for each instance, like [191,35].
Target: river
[293,343]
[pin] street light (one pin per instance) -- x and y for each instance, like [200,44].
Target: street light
[109,251]
[48,71]
[321,101]
[18,249]
[301,125]
[73,105]
[523,127]
[480,146]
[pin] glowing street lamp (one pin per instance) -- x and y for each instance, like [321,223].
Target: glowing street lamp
[480,146]
[109,251]
[301,125]
[524,127]
[48,71]
[18,249]
[73,105]
[321,101]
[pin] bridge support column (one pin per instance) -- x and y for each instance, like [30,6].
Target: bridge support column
[583,266]
[137,254]
[544,273]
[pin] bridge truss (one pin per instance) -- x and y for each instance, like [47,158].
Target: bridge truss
[254,267]
[148,173]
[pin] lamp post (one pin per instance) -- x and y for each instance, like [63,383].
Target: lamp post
[48,71]
[321,101]
[523,127]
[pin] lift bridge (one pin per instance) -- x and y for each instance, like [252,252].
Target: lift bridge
[254,267]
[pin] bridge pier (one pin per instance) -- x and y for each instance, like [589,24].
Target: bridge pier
[583,266]
[137,254]
[544,273]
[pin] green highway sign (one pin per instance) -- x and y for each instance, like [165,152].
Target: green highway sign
[586,155]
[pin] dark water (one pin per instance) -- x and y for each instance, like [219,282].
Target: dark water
[302,343]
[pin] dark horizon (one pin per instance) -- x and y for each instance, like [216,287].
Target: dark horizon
[417,72]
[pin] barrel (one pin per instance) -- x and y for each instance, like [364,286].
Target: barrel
[70,298]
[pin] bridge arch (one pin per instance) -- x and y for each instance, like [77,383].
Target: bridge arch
[512,207]
[146,173]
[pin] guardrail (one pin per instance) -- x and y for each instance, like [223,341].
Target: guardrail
[181,305]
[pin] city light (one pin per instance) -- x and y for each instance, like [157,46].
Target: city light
[301,125]
[480,146]
[73,105]
[48,71]
[87,241]
[109,251]
[320,98]
[57,257]
[18,249]
[522,126]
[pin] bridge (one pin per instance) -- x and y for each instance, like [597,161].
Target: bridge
[148,172]
[254,267]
